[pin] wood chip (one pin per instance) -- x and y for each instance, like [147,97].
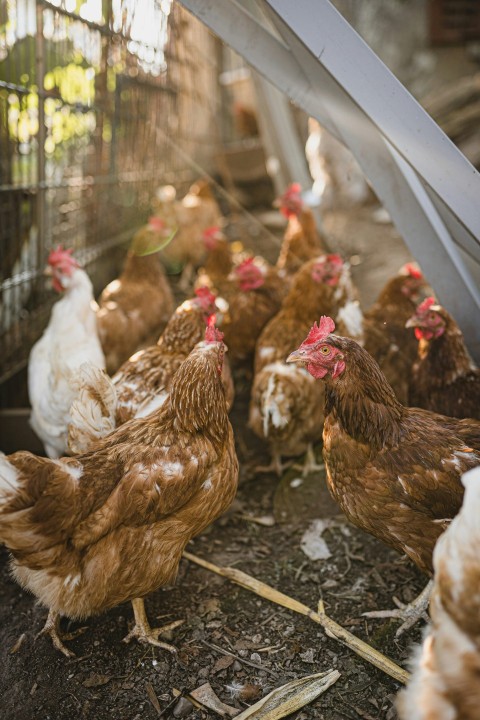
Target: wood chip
[153,697]
[96,680]
[15,648]
[206,697]
[223,663]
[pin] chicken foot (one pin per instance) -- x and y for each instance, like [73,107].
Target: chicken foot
[310,464]
[52,628]
[144,633]
[275,465]
[410,613]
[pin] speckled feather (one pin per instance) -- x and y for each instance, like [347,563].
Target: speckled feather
[391,344]
[395,471]
[133,308]
[91,532]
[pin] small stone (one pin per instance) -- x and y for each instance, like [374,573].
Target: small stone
[255,657]
[236,667]
[183,708]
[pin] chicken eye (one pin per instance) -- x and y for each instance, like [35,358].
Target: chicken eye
[432,317]
[324,350]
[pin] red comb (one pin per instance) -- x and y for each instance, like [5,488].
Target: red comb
[335,259]
[247,263]
[156,223]
[426,305]
[211,231]
[212,334]
[412,270]
[205,292]
[59,256]
[319,332]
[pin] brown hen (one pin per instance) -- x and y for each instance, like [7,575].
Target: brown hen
[143,383]
[444,377]
[395,471]
[301,241]
[88,533]
[254,293]
[134,308]
[286,405]
[386,337]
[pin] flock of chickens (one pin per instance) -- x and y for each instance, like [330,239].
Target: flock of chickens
[131,399]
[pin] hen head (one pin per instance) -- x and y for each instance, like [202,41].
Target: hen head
[211,237]
[205,299]
[290,203]
[249,275]
[327,270]
[427,320]
[61,266]
[319,352]
[412,280]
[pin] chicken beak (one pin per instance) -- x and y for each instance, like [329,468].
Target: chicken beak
[412,322]
[297,356]
[48,272]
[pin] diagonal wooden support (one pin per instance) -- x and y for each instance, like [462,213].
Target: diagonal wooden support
[427,185]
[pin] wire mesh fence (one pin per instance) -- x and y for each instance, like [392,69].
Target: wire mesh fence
[101,101]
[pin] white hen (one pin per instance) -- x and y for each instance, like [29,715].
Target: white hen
[69,340]
[444,685]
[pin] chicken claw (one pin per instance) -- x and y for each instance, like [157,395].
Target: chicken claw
[310,464]
[144,633]
[52,628]
[410,613]
[275,466]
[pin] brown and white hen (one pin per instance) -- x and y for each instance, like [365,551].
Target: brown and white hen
[88,533]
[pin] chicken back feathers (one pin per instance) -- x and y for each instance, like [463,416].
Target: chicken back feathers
[134,309]
[386,337]
[444,682]
[395,471]
[90,532]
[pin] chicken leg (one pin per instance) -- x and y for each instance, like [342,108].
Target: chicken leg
[275,465]
[310,464]
[410,613]
[52,628]
[144,633]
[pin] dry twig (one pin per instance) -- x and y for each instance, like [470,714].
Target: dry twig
[333,629]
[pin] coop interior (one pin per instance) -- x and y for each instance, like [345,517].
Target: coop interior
[128,129]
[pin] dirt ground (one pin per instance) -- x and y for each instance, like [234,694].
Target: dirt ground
[230,636]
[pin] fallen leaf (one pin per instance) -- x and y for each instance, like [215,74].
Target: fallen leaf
[95,680]
[290,697]
[206,696]
[223,663]
[153,698]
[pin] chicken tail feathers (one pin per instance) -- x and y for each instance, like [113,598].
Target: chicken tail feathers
[93,411]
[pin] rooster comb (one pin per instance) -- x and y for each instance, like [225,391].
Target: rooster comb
[426,305]
[204,293]
[213,334]
[321,331]
[211,232]
[59,256]
[156,223]
[413,271]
